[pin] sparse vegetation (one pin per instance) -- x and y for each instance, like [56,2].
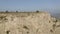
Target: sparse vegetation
[37,11]
[6,11]
[16,11]
[54,25]
[27,32]
[55,21]
[3,19]
[51,30]
[25,27]
[49,21]
[7,32]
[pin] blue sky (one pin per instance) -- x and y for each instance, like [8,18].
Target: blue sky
[29,5]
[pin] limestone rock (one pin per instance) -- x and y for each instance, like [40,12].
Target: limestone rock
[27,23]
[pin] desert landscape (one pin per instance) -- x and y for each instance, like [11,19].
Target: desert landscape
[29,16]
[28,23]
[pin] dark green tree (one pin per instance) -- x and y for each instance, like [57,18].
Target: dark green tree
[6,11]
[37,11]
[16,11]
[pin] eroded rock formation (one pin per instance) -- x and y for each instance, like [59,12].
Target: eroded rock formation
[28,23]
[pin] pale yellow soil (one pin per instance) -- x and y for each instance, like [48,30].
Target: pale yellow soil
[28,23]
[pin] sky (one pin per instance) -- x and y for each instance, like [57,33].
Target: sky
[29,5]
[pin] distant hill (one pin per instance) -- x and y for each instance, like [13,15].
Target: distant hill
[56,15]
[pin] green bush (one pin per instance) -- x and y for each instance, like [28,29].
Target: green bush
[6,11]
[37,11]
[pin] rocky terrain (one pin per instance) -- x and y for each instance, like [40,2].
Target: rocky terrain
[28,23]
